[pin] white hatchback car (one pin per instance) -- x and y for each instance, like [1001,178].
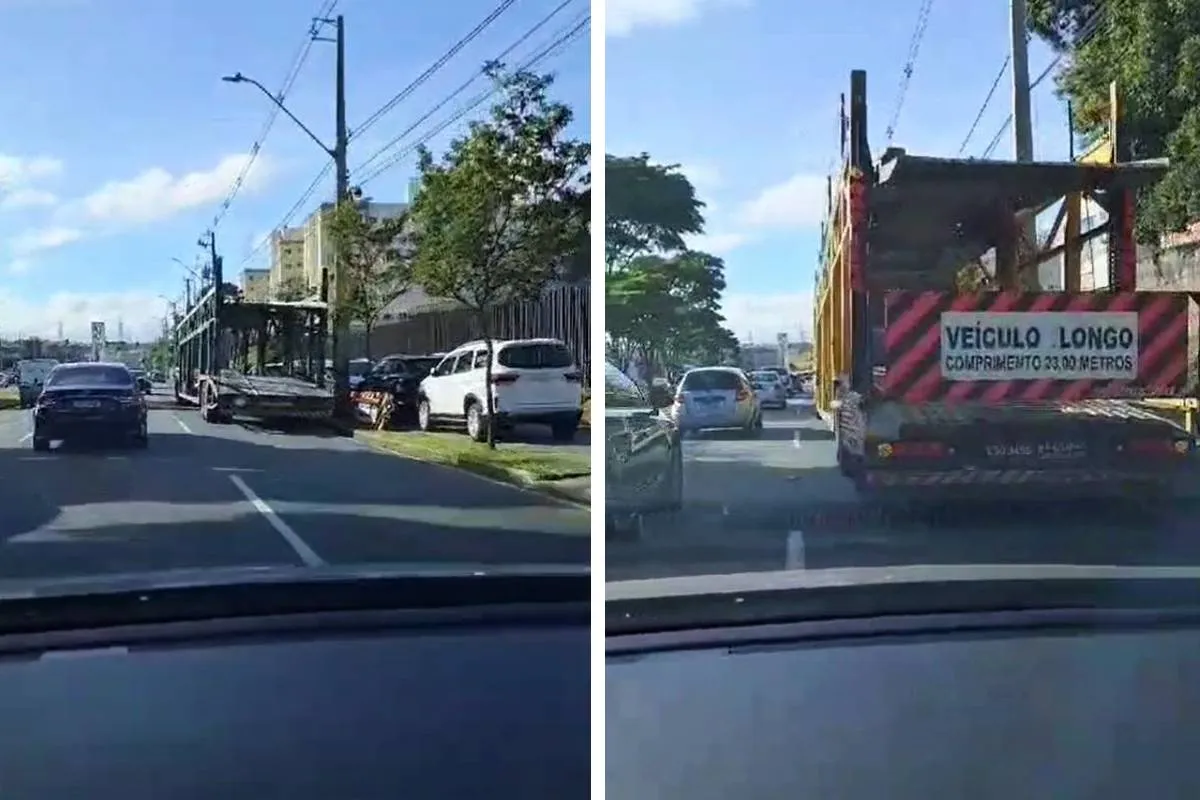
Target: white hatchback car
[770,388]
[533,381]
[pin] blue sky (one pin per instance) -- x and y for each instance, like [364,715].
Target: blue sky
[744,94]
[121,141]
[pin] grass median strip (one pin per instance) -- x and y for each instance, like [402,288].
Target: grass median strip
[507,462]
[9,399]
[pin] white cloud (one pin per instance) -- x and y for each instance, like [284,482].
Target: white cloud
[157,194]
[762,317]
[622,17]
[19,266]
[45,239]
[140,313]
[798,202]
[16,171]
[717,243]
[27,198]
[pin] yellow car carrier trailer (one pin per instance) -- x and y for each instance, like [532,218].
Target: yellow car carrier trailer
[929,388]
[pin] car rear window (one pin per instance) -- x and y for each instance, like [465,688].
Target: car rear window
[535,356]
[717,380]
[92,374]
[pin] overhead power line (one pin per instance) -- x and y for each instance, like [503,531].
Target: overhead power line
[291,213]
[499,57]
[442,60]
[910,63]
[550,50]
[995,142]
[297,63]
[986,102]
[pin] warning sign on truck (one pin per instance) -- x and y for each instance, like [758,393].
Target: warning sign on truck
[1039,345]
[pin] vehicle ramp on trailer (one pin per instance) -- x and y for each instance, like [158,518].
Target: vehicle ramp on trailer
[930,216]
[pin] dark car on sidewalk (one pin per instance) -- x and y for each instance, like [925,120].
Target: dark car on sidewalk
[401,375]
[90,401]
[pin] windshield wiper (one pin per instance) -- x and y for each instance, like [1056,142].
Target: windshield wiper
[101,602]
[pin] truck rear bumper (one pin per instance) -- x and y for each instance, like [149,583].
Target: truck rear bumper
[1064,484]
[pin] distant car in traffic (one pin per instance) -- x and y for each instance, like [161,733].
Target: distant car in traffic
[770,387]
[717,397]
[90,401]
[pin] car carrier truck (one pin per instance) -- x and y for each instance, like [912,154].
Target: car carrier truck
[929,387]
[222,345]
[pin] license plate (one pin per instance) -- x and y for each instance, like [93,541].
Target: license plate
[1042,451]
[87,404]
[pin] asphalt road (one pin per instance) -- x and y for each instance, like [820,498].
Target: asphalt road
[232,495]
[780,503]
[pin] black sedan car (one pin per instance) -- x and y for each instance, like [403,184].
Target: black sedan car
[89,401]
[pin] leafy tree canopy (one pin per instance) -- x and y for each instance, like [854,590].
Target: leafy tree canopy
[648,207]
[1151,48]
[374,265]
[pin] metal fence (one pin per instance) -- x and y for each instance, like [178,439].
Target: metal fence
[564,312]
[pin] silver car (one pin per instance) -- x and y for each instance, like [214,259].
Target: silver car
[770,388]
[717,397]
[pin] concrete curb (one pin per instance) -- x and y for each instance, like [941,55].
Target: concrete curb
[503,475]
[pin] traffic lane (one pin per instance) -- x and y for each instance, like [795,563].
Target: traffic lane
[350,504]
[793,461]
[838,534]
[85,511]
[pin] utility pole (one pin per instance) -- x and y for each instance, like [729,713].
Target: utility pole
[1021,119]
[340,327]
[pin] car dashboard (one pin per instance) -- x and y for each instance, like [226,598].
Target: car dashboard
[352,705]
[980,706]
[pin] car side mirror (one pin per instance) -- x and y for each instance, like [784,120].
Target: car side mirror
[660,397]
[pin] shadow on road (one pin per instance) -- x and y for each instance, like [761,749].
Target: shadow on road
[178,505]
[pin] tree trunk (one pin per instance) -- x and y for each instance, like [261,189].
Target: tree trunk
[368,327]
[487,379]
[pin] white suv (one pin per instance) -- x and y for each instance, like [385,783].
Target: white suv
[533,381]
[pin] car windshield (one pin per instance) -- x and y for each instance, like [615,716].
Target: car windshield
[154,217]
[952,352]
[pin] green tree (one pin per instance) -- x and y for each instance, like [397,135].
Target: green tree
[647,208]
[1151,48]
[662,301]
[494,219]
[292,289]
[373,264]
[662,309]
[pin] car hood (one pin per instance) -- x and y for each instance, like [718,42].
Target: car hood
[231,576]
[783,580]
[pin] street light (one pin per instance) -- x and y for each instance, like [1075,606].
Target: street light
[238,77]
[185,266]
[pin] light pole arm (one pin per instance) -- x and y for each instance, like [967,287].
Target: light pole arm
[240,78]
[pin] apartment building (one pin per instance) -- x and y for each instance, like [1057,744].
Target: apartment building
[287,261]
[256,285]
[317,244]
